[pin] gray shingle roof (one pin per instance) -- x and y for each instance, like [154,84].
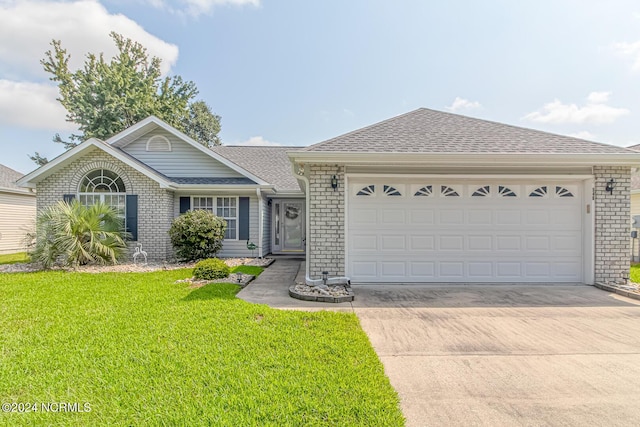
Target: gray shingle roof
[220,181]
[268,163]
[430,131]
[8,178]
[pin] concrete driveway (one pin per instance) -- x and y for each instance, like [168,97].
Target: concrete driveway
[507,355]
[499,355]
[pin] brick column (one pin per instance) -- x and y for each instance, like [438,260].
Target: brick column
[612,223]
[326,221]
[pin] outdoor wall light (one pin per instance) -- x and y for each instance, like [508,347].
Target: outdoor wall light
[334,182]
[611,184]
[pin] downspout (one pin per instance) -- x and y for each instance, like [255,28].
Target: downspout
[260,220]
[308,280]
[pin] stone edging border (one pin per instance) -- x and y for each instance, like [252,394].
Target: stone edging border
[613,289]
[322,298]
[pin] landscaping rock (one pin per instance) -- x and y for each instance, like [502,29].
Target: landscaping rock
[322,293]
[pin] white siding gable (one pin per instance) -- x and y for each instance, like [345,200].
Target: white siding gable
[182,161]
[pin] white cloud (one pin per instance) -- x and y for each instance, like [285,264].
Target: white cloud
[28,26]
[583,135]
[198,7]
[631,50]
[258,141]
[32,105]
[595,111]
[460,104]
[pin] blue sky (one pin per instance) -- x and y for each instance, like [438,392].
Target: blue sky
[298,72]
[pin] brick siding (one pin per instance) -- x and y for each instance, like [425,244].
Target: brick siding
[326,227]
[155,205]
[612,245]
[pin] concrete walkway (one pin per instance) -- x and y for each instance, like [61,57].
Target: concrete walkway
[496,355]
[272,288]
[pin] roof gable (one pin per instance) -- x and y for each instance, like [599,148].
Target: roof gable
[147,126]
[429,131]
[31,179]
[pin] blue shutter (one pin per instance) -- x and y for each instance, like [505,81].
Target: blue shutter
[132,216]
[68,198]
[243,218]
[185,204]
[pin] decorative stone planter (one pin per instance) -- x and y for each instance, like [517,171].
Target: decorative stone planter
[307,293]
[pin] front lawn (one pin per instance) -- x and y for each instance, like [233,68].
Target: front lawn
[142,350]
[14,258]
[634,273]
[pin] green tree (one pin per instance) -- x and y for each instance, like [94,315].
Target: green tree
[105,97]
[199,126]
[71,234]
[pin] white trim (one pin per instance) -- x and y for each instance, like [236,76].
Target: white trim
[346,224]
[588,231]
[153,120]
[260,221]
[23,192]
[249,188]
[509,176]
[465,159]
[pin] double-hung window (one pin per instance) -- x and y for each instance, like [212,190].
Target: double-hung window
[227,208]
[224,207]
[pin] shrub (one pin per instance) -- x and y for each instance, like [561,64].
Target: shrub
[72,234]
[211,269]
[197,235]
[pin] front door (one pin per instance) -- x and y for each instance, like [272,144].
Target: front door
[288,226]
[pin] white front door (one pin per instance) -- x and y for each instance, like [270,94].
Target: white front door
[464,231]
[288,226]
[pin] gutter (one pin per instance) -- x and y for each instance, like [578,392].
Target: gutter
[260,220]
[24,192]
[462,159]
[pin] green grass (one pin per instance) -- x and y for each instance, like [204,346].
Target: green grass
[634,273]
[142,350]
[247,269]
[14,258]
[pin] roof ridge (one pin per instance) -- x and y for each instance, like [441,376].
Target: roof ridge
[425,130]
[319,144]
[524,128]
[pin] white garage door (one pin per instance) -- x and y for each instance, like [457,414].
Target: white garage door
[461,231]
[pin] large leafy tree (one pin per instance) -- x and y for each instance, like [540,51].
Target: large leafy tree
[105,97]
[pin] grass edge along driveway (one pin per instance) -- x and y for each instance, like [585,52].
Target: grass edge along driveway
[143,350]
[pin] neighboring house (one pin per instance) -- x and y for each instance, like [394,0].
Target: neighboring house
[17,212]
[423,197]
[635,207]
[635,187]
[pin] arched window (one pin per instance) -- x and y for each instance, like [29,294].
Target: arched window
[102,185]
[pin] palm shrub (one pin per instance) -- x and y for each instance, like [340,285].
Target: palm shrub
[71,234]
[197,235]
